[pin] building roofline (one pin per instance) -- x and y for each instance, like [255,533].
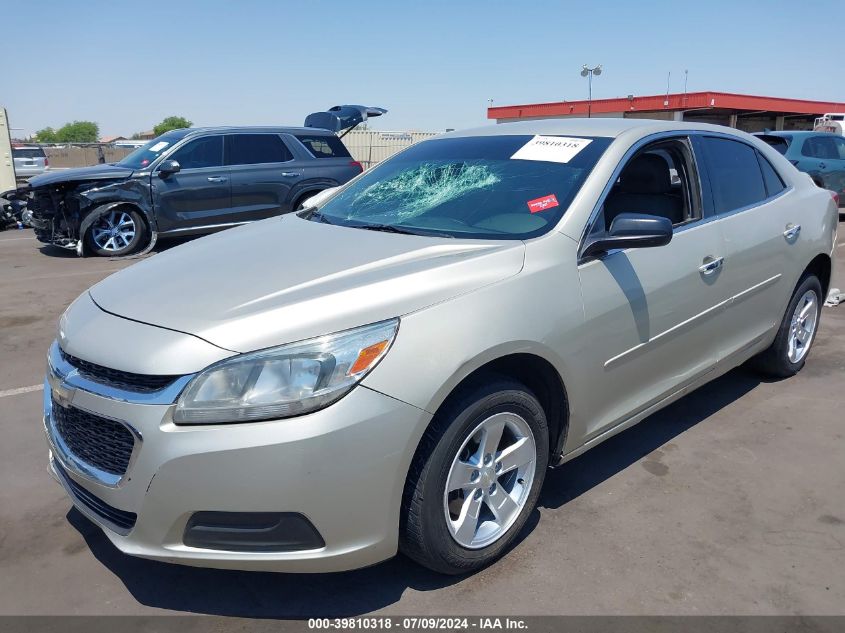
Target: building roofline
[668,103]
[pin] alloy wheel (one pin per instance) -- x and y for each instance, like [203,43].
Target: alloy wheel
[490,480]
[114,231]
[802,326]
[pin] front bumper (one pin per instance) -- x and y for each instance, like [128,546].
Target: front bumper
[343,468]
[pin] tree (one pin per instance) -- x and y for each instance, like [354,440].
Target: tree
[171,123]
[47,135]
[78,132]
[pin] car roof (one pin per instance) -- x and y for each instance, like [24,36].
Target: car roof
[793,133]
[260,129]
[607,127]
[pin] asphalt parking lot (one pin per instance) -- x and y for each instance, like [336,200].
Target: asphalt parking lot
[731,501]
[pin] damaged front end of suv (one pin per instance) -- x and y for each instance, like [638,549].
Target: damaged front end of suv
[100,209]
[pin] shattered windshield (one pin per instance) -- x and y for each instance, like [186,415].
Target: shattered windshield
[494,187]
[146,154]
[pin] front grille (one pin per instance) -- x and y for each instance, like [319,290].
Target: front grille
[100,442]
[120,518]
[140,383]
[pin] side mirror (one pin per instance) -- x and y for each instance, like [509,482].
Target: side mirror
[632,230]
[168,167]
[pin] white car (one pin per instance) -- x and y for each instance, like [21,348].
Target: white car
[395,367]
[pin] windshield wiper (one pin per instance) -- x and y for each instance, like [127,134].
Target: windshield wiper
[317,217]
[394,228]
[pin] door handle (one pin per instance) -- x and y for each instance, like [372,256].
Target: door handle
[711,264]
[822,166]
[216,179]
[792,231]
[290,174]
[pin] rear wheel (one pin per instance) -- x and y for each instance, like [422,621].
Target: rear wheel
[300,201]
[475,478]
[797,331]
[117,232]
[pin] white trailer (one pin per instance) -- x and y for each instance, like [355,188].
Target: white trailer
[7,163]
[830,122]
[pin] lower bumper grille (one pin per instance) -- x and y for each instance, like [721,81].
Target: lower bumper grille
[100,442]
[122,519]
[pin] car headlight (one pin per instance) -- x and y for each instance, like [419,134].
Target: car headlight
[284,381]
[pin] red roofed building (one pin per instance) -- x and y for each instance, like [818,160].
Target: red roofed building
[746,112]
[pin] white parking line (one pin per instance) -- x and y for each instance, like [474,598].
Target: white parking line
[16,239]
[20,390]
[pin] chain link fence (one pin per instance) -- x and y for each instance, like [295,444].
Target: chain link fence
[366,146]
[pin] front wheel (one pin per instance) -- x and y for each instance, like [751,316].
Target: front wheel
[796,333]
[116,233]
[475,478]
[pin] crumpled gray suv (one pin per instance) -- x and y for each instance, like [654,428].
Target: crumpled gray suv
[395,367]
[192,181]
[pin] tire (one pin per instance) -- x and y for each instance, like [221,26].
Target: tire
[454,445]
[100,240]
[788,353]
[297,206]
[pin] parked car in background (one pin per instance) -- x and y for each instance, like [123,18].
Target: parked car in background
[29,161]
[819,154]
[394,367]
[193,181]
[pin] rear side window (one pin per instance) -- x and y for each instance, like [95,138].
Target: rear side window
[839,143]
[324,146]
[735,175]
[203,152]
[27,152]
[780,143]
[774,185]
[820,147]
[256,149]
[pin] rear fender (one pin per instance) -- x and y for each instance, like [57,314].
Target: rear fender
[310,187]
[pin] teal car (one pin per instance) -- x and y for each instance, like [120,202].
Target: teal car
[819,154]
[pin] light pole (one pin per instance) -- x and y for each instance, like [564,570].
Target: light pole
[586,71]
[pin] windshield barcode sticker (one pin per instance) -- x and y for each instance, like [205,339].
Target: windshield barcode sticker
[553,149]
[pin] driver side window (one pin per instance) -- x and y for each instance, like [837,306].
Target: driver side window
[660,179]
[203,152]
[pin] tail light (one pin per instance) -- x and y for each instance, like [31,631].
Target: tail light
[835,197]
[46,162]
[355,163]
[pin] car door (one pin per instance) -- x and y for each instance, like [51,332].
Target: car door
[821,159]
[654,313]
[836,180]
[263,171]
[199,194]
[754,217]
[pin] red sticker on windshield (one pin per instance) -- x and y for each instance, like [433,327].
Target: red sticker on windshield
[542,204]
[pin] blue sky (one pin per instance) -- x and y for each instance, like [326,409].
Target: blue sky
[433,64]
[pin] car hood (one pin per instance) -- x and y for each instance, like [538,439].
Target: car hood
[95,172]
[287,279]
